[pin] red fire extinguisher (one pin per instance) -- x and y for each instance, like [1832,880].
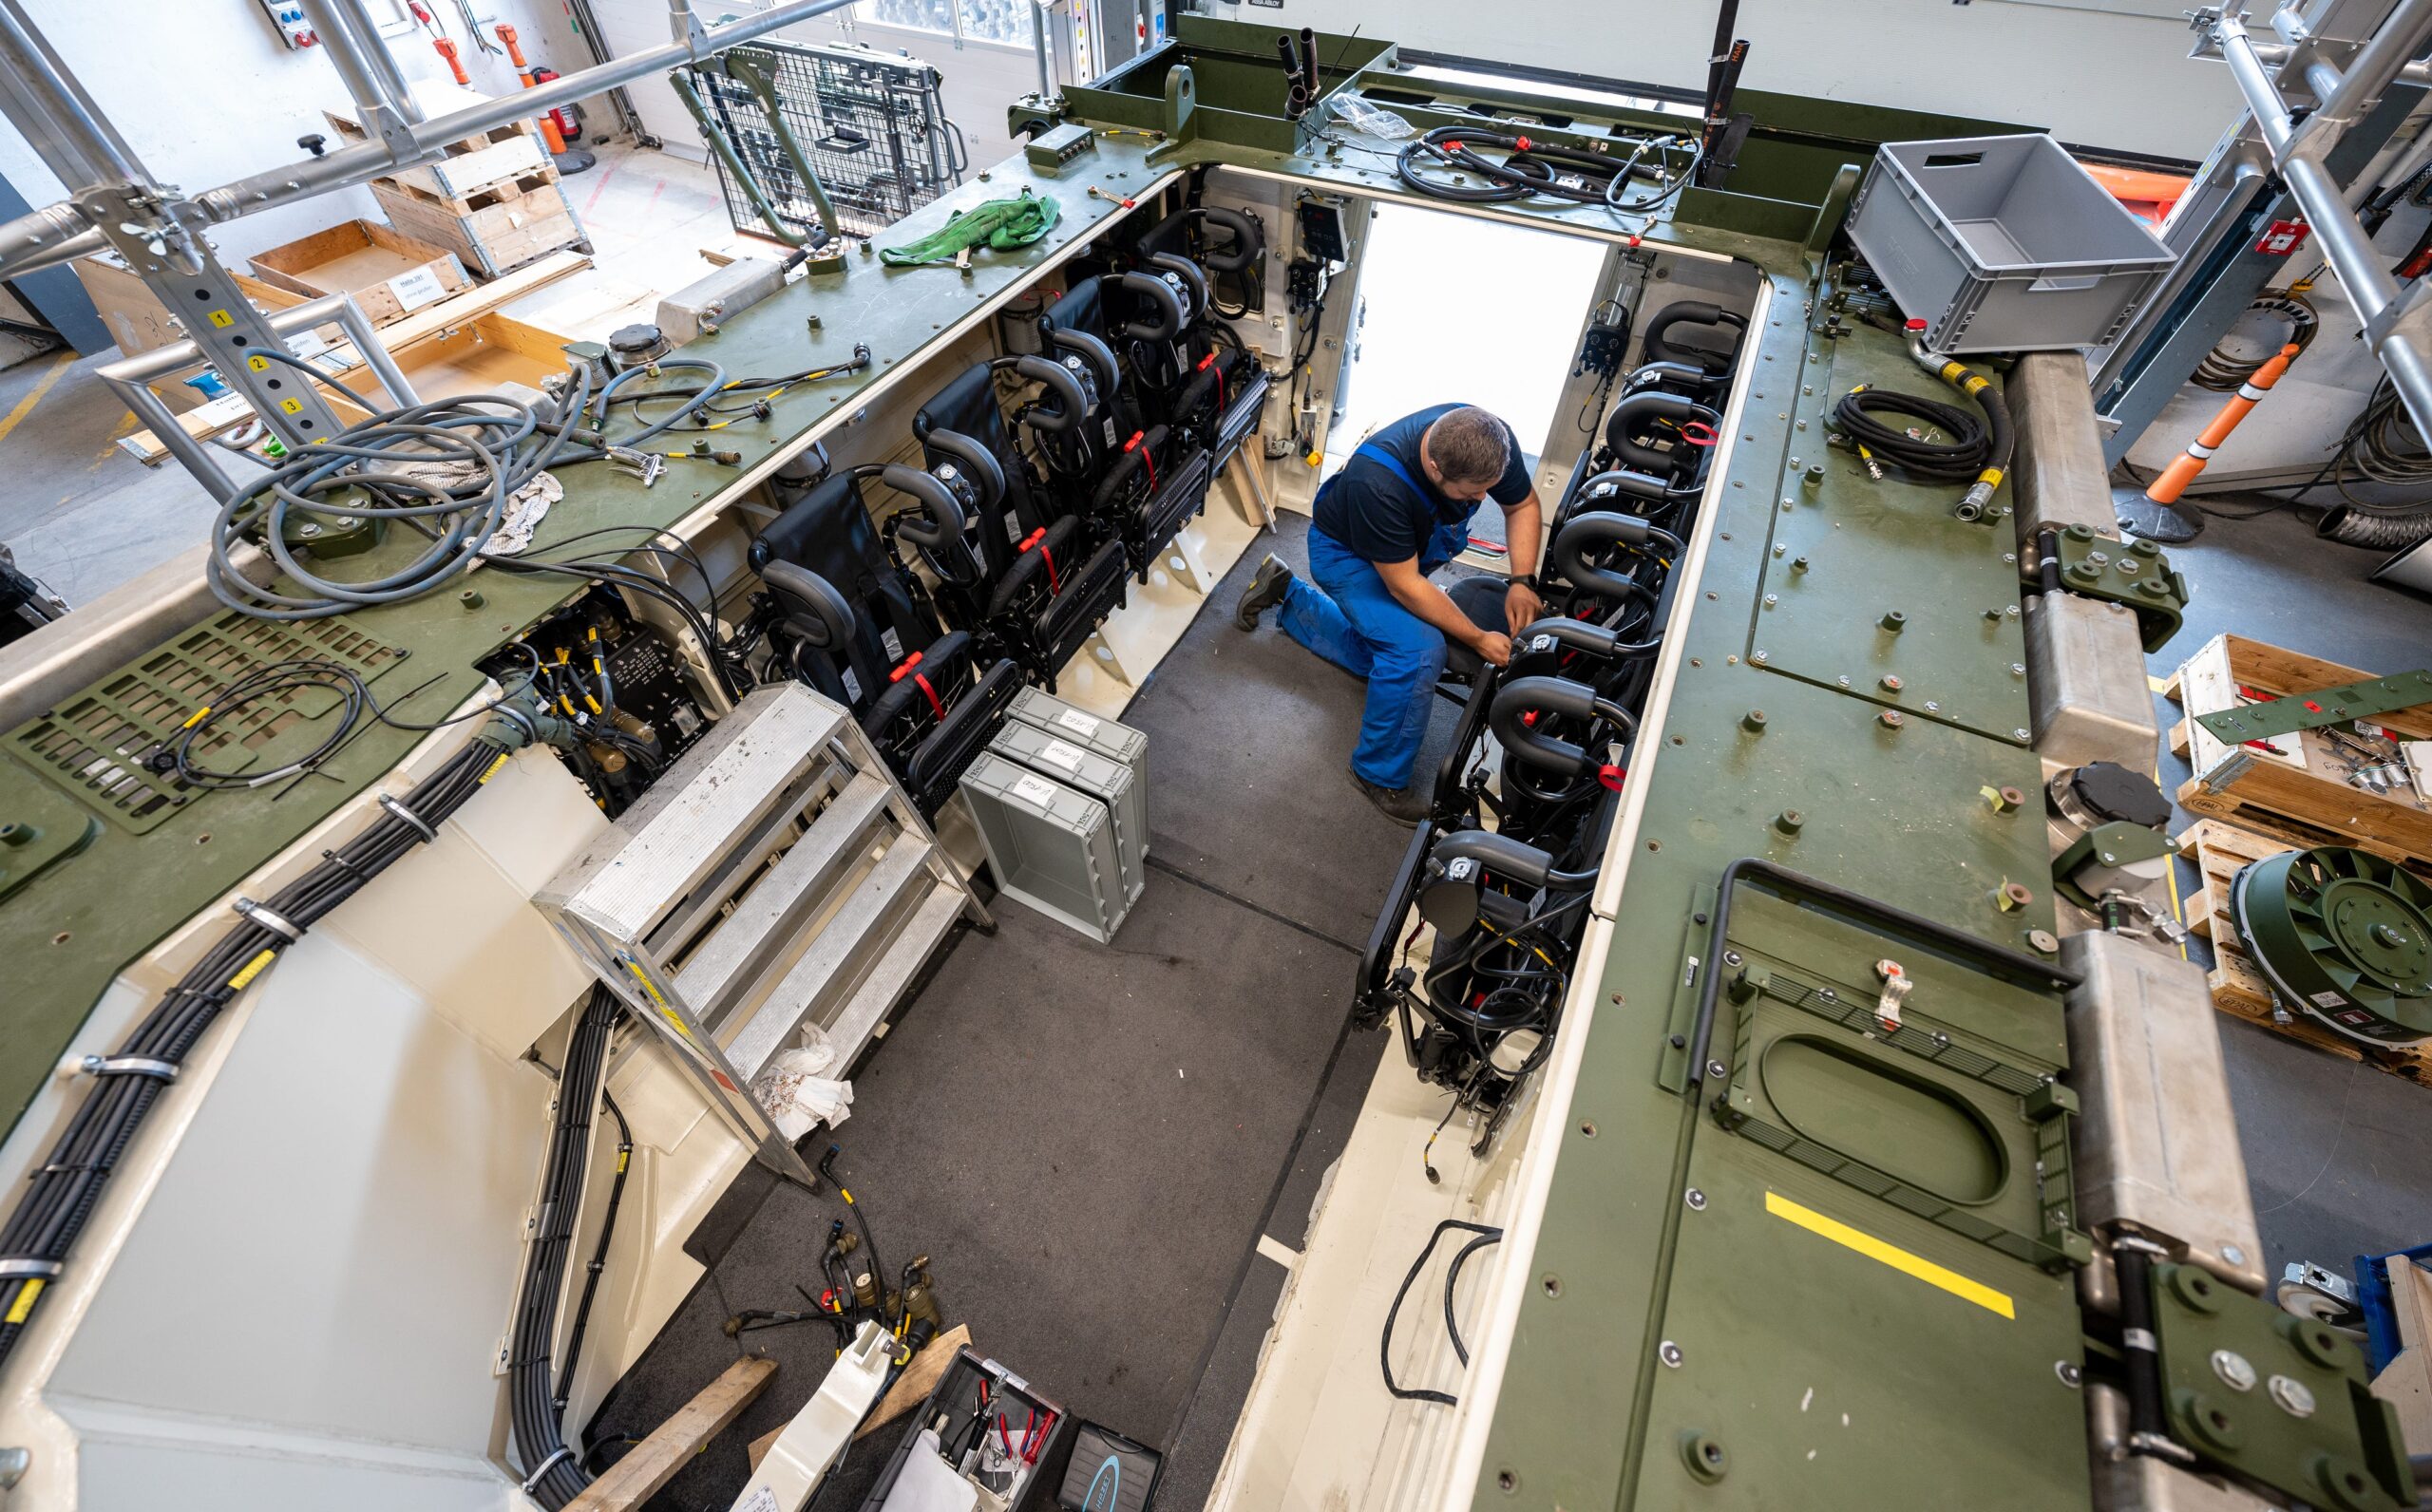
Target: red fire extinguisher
[568,127]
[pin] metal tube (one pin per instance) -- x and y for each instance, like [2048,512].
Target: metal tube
[375,49]
[2378,62]
[350,165]
[54,234]
[2255,81]
[59,120]
[365,82]
[2275,57]
[1038,44]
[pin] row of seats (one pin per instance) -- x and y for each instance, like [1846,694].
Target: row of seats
[1027,526]
[1503,864]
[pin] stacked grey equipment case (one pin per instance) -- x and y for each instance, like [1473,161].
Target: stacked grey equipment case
[1060,800]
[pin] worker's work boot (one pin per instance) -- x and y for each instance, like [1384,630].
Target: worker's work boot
[1267,587]
[1405,807]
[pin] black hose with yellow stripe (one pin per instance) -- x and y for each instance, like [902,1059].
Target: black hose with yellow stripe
[1977,452]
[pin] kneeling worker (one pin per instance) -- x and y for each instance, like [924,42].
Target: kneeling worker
[1393,514]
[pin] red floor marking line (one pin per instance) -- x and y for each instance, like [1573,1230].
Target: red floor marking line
[607,172]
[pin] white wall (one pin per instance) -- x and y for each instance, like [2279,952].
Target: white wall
[2110,73]
[204,93]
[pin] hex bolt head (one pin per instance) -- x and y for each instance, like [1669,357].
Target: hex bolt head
[1696,1200]
[1669,1353]
[1717,1068]
[1771,600]
[1892,683]
[1758,655]
[2235,1371]
[2232,1253]
[1891,719]
[1933,707]
[2291,1396]
[2071,1376]
[1893,620]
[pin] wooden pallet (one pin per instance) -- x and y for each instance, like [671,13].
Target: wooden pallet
[2218,852]
[2307,806]
[494,232]
[467,166]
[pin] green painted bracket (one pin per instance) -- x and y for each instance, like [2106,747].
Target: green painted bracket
[1829,215]
[2324,705]
[2134,573]
[1182,105]
[2107,847]
[2273,1397]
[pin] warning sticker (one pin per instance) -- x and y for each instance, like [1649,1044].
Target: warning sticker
[2330,1000]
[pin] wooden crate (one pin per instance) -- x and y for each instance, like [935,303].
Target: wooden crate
[496,231]
[2218,851]
[2302,797]
[467,166]
[390,274]
[138,322]
[482,355]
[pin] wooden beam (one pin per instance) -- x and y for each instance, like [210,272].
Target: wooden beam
[654,1462]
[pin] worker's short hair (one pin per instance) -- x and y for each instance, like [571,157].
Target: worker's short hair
[1469,445]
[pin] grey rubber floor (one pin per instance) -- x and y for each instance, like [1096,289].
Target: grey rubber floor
[1088,1140]
[2339,1155]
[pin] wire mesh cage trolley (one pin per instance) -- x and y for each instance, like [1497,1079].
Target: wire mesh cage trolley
[873,127]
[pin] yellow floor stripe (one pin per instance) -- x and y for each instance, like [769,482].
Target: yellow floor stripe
[1891,1254]
[59,366]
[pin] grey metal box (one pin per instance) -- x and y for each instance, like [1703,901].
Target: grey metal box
[1109,782]
[2002,243]
[1051,846]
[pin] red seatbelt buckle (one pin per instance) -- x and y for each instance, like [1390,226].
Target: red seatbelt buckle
[1611,776]
[919,680]
[1039,539]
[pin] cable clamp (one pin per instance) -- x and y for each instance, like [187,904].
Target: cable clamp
[409,816]
[267,917]
[159,1071]
[27,1268]
[564,1454]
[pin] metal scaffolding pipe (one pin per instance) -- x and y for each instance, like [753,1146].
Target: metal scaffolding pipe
[58,118]
[350,165]
[2391,47]
[359,56]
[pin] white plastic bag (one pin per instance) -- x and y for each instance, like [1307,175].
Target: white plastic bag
[795,1096]
[1372,120]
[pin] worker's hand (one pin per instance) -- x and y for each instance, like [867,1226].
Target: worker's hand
[1521,607]
[1495,649]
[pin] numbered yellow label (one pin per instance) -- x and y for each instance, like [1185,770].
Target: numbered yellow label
[294,407]
[259,363]
[222,318]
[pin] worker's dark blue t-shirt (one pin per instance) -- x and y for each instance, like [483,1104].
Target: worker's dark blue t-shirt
[1369,510]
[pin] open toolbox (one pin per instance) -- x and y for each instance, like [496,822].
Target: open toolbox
[980,1443]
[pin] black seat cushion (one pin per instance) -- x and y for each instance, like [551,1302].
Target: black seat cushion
[1481,599]
[829,531]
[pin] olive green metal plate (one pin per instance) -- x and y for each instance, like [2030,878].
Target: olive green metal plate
[2284,1400]
[40,828]
[2324,705]
[1877,588]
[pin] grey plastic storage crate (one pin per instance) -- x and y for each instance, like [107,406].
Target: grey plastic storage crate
[1109,782]
[1092,732]
[2003,244]
[1051,846]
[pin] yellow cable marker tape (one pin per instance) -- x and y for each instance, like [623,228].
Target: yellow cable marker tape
[495,768]
[23,1307]
[252,969]
[1891,1254]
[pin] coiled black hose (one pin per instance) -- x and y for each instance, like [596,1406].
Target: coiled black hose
[2223,374]
[59,1198]
[1956,460]
[554,1473]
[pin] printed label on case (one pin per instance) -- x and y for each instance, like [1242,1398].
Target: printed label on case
[894,644]
[1086,726]
[1034,790]
[1055,753]
[416,287]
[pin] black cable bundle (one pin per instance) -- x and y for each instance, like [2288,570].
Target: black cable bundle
[599,1254]
[1534,167]
[555,1474]
[35,1243]
[1957,461]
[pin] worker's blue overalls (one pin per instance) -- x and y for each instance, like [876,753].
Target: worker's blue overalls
[1345,612]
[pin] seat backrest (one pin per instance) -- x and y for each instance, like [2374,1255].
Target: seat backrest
[968,407]
[829,532]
